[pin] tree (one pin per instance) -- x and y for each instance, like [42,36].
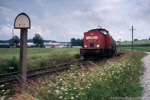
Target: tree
[14,41]
[38,40]
[76,42]
[81,42]
[73,42]
[135,39]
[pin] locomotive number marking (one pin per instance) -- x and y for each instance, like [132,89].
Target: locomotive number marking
[91,37]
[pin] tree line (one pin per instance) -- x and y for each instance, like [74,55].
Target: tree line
[37,40]
[76,42]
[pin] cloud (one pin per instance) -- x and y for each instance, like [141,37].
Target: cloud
[46,34]
[5,32]
[40,3]
[8,19]
[5,11]
[66,19]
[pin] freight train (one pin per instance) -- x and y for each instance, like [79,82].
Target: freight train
[97,44]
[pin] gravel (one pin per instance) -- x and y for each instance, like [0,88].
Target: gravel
[145,78]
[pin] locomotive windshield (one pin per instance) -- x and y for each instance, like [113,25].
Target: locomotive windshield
[91,40]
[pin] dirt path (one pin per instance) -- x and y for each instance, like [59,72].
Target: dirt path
[145,79]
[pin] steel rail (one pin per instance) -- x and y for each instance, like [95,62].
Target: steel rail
[38,71]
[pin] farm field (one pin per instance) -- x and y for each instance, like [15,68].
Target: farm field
[36,57]
[116,78]
[11,52]
[139,42]
[143,45]
[143,48]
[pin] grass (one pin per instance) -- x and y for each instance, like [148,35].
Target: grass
[113,80]
[36,57]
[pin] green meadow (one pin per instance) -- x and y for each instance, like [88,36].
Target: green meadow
[143,45]
[11,52]
[36,57]
[139,42]
[136,48]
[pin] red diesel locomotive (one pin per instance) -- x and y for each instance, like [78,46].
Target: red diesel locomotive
[98,43]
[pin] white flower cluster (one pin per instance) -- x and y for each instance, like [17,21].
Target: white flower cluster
[76,84]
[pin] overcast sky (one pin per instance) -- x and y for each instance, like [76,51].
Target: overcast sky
[62,20]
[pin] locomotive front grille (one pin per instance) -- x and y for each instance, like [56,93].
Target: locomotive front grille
[91,44]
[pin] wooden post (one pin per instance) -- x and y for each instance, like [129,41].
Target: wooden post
[22,22]
[23,56]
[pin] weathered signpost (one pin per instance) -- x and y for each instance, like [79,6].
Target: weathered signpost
[23,23]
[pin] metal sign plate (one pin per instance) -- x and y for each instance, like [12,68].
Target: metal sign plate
[22,21]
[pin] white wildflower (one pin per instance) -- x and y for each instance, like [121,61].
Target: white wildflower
[48,91]
[66,93]
[2,85]
[61,97]
[76,96]
[72,98]
[57,91]
[60,79]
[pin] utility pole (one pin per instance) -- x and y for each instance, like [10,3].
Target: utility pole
[12,38]
[12,33]
[120,44]
[132,29]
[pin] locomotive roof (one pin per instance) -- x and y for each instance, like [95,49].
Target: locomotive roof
[98,30]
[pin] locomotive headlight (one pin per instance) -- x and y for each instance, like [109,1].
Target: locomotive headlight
[97,45]
[85,46]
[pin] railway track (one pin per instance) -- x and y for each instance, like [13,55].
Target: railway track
[9,77]
[39,71]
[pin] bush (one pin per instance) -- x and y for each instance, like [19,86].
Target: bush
[77,56]
[12,65]
[9,65]
[43,64]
